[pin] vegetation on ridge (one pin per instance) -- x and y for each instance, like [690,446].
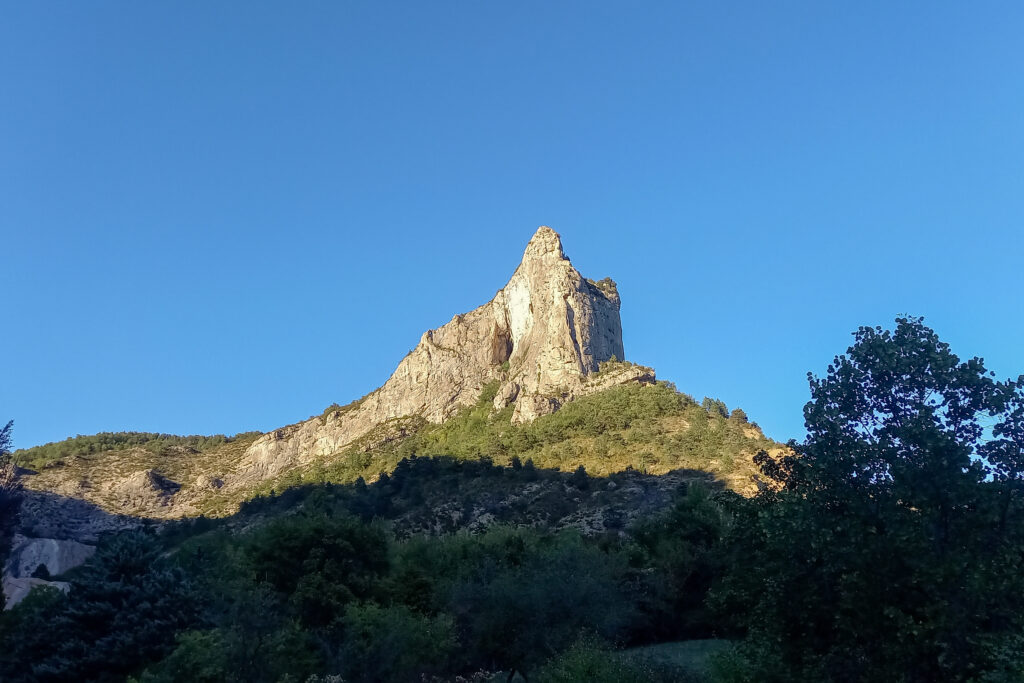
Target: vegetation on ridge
[53,454]
[651,429]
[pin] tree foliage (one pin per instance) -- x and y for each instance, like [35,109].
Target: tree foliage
[121,613]
[891,548]
[76,446]
[10,495]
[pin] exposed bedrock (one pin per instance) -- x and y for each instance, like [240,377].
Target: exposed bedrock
[542,337]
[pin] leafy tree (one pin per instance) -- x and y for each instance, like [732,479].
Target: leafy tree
[10,495]
[580,479]
[26,633]
[384,644]
[890,549]
[122,612]
[680,562]
[715,407]
[321,562]
[200,657]
[5,439]
[228,655]
[518,608]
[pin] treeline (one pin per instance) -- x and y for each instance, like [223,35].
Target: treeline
[51,453]
[330,591]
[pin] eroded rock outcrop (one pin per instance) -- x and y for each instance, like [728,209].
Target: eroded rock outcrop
[144,490]
[57,555]
[542,337]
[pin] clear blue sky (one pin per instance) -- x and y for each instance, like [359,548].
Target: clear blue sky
[219,217]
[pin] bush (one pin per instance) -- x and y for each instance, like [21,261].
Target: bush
[588,661]
[383,644]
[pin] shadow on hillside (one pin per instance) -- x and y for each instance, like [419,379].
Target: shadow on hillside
[44,514]
[432,495]
[423,495]
[445,495]
[56,533]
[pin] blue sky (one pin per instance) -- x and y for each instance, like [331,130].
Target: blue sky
[220,217]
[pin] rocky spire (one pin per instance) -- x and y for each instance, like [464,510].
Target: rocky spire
[561,326]
[541,338]
[545,243]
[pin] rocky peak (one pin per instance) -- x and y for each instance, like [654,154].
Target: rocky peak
[545,243]
[541,337]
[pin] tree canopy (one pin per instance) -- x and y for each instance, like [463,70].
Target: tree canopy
[890,546]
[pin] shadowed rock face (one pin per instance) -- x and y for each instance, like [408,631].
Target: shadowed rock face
[58,533]
[45,514]
[57,555]
[541,336]
[28,555]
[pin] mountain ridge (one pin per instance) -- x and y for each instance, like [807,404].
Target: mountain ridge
[549,339]
[541,336]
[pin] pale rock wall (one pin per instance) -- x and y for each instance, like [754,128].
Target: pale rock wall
[552,326]
[16,590]
[59,555]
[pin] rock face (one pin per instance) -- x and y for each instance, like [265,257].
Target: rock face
[57,555]
[31,556]
[55,532]
[46,515]
[144,490]
[542,337]
[17,589]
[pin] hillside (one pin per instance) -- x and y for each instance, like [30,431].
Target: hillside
[536,374]
[541,337]
[652,429]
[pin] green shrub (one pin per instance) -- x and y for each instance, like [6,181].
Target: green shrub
[394,643]
[588,661]
[79,446]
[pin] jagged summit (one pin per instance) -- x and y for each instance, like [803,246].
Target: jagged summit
[544,243]
[542,337]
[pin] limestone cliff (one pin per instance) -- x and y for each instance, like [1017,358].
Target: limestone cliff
[542,337]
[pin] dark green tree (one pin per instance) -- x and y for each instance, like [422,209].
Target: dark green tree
[394,644]
[10,495]
[579,478]
[680,561]
[122,611]
[715,406]
[5,439]
[26,633]
[519,603]
[320,562]
[890,547]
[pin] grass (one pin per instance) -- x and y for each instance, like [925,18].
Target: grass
[689,656]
